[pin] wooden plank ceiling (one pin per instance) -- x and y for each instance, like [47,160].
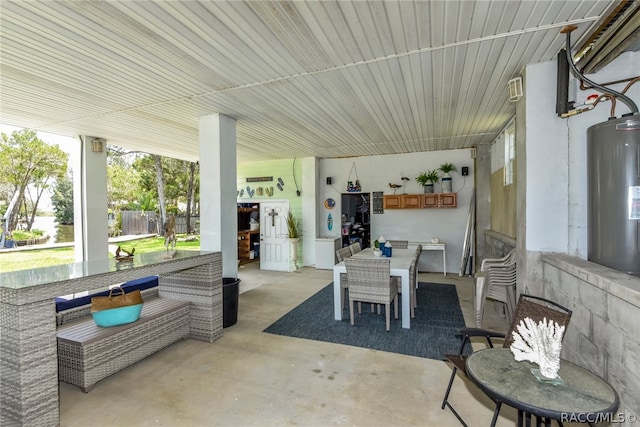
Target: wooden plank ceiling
[302,78]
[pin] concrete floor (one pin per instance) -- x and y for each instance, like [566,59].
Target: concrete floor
[251,378]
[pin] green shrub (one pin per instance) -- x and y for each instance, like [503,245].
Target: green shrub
[27,235]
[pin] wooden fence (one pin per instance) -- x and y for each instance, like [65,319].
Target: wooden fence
[146,222]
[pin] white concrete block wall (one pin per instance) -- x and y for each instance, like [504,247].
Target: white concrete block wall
[604,333]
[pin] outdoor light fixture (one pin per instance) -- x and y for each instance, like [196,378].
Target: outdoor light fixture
[98,145]
[515,89]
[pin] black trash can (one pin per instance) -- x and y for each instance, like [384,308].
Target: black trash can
[230,294]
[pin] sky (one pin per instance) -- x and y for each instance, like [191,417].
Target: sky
[68,145]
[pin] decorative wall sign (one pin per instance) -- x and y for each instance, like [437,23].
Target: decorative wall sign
[260,179]
[377,206]
[330,222]
[329,203]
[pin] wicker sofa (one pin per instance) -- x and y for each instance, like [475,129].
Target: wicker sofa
[88,353]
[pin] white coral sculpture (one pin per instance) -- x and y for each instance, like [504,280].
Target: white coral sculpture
[539,343]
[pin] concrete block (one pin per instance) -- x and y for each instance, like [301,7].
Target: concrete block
[580,319]
[551,276]
[553,293]
[559,295]
[624,316]
[627,384]
[608,338]
[570,350]
[570,285]
[631,358]
[593,299]
[590,356]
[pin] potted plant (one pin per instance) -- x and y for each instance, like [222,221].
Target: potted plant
[294,227]
[294,232]
[445,168]
[428,179]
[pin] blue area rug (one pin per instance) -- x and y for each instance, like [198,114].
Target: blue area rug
[433,331]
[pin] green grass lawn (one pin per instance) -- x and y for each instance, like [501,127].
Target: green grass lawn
[22,260]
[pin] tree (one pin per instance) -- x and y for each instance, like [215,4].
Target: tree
[62,200]
[122,187]
[147,201]
[180,180]
[160,181]
[190,194]
[30,165]
[123,180]
[172,182]
[6,192]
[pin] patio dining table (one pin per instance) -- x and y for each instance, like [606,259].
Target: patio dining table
[400,263]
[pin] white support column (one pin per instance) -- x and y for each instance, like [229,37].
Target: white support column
[310,178]
[218,208]
[90,202]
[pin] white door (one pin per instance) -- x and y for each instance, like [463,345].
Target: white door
[274,244]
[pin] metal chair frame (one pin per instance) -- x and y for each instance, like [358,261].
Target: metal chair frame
[530,306]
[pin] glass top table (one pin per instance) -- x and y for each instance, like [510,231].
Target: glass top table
[583,396]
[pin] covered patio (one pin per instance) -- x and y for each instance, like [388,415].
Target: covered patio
[241,83]
[252,378]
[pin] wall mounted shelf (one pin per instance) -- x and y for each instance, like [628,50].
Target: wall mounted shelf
[426,200]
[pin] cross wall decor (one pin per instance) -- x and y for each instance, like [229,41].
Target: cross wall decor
[273,214]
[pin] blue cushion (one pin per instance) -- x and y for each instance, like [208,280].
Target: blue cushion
[142,284]
[132,285]
[77,302]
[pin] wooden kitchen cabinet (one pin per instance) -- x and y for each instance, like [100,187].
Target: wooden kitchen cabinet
[402,201]
[430,200]
[448,200]
[410,201]
[426,200]
[440,200]
[392,201]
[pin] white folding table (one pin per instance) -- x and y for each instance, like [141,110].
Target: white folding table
[435,247]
